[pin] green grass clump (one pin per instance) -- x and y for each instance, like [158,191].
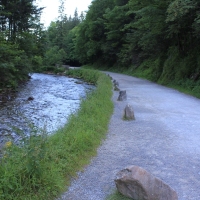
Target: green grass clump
[89,75]
[42,166]
[117,196]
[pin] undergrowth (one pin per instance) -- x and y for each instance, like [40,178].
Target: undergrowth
[42,166]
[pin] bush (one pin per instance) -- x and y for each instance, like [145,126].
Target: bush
[14,65]
[37,62]
[54,56]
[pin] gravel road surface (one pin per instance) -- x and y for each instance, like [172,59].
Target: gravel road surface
[164,139]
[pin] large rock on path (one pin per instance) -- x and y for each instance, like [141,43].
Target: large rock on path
[137,183]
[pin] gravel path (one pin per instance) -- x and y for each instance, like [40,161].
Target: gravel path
[164,139]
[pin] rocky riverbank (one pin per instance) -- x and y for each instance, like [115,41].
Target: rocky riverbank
[45,102]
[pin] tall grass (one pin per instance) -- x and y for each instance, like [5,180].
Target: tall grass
[42,166]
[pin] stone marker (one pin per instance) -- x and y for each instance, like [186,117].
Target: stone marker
[137,183]
[115,83]
[116,88]
[109,76]
[128,113]
[122,95]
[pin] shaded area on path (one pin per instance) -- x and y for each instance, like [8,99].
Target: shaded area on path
[164,139]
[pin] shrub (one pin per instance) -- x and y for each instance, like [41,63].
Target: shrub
[54,56]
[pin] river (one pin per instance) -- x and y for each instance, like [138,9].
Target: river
[43,104]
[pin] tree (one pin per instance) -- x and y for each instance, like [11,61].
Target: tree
[18,16]
[180,17]
[115,21]
[75,19]
[19,32]
[91,35]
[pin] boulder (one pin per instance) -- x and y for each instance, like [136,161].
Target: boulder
[122,95]
[129,113]
[137,183]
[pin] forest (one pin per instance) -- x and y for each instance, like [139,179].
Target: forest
[156,39]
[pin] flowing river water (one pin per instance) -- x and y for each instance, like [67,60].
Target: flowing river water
[43,103]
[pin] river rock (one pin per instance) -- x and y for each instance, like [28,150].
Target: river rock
[30,99]
[129,113]
[137,183]
[122,95]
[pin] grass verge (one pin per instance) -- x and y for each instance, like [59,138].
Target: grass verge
[42,166]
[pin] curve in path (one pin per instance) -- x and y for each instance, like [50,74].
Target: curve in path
[164,139]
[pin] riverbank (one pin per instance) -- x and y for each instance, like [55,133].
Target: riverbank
[44,102]
[6,95]
[45,165]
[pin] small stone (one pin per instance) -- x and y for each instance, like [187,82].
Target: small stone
[30,98]
[129,113]
[122,95]
[78,82]
[137,183]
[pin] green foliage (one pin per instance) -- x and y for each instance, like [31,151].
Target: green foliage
[179,8]
[90,76]
[40,167]
[70,41]
[37,61]
[177,67]
[14,65]
[20,40]
[116,35]
[17,17]
[159,38]
[54,56]
[91,36]
[61,36]
[25,170]
[150,69]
